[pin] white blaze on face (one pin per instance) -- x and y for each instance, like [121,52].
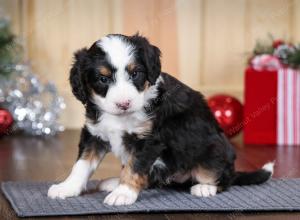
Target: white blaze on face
[119,53]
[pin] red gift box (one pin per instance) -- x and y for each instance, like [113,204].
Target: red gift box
[272,106]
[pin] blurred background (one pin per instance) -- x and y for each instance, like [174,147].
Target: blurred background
[204,43]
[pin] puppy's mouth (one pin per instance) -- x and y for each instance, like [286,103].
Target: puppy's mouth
[120,112]
[125,112]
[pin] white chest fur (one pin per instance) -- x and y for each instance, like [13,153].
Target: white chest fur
[111,128]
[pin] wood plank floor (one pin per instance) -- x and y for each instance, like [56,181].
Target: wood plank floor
[42,159]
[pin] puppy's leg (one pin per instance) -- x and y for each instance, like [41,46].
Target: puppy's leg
[131,183]
[90,154]
[76,181]
[206,182]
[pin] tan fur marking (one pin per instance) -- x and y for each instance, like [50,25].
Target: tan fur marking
[131,67]
[90,155]
[104,71]
[203,175]
[147,85]
[135,181]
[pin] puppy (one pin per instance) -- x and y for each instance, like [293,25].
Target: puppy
[162,131]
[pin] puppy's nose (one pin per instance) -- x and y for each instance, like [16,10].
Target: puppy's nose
[123,105]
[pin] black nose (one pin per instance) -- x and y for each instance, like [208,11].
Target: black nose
[123,105]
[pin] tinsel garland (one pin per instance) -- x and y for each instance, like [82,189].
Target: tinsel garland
[35,106]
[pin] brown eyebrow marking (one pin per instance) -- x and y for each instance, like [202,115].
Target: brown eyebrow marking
[104,71]
[131,67]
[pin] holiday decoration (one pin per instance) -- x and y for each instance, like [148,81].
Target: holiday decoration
[272,106]
[272,96]
[266,61]
[287,53]
[6,121]
[277,43]
[9,50]
[228,111]
[34,106]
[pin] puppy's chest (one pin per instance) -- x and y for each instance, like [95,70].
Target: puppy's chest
[111,128]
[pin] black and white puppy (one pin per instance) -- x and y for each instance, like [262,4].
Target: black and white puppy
[162,130]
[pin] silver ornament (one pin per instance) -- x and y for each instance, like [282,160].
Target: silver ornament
[35,106]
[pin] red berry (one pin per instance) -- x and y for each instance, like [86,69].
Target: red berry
[277,43]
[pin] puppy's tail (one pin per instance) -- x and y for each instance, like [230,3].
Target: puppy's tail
[255,177]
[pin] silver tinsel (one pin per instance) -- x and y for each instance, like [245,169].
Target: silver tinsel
[34,106]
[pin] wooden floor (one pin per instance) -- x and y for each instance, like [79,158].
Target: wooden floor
[37,159]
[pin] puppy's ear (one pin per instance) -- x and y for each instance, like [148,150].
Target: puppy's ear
[150,55]
[77,79]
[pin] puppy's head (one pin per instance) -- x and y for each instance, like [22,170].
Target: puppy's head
[116,73]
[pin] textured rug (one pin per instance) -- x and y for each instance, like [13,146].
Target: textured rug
[30,199]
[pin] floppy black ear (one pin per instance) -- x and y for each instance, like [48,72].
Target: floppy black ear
[77,79]
[150,55]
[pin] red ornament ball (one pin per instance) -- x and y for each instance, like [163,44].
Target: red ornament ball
[6,121]
[228,111]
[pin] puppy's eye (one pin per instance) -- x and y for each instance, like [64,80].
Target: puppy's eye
[135,75]
[104,79]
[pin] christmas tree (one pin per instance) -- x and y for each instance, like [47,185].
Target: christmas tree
[9,49]
[34,106]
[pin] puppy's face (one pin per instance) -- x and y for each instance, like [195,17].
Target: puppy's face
[116,73]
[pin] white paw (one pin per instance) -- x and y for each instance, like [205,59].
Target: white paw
[203,190]
[122,195]
[64,190]
[109,184]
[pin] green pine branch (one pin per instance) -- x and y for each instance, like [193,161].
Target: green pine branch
[293,58]
[263,48]
[9,49]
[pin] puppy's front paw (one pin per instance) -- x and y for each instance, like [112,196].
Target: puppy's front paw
[122,195]
[109,184]
[203,190]
[64,190]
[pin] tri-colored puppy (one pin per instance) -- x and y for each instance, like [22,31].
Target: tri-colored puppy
[162,130]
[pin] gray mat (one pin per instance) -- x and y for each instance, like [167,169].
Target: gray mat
[30,199]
